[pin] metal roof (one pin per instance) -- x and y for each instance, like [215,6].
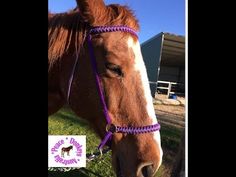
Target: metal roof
[173,50]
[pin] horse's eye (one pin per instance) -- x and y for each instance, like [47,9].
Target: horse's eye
[115,69]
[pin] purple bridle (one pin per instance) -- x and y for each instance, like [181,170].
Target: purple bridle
[110,128]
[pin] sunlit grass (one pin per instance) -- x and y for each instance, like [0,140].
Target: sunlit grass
[65,122]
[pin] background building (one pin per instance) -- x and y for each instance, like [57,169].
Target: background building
[164,56]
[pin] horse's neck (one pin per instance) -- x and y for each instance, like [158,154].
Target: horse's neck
[58,79]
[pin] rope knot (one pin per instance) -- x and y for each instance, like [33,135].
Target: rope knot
[111,128]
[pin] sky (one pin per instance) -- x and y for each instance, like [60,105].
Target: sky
[154,16]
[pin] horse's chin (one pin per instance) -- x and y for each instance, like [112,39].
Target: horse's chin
[119,172]
[120,169]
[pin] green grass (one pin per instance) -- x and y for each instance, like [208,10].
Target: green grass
[170,137]
[65,122]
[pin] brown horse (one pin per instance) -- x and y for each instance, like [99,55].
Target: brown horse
[67,150]
[123,79]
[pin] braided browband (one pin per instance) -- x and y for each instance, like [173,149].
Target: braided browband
[105,29]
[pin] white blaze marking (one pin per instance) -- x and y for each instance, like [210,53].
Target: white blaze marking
[140,67]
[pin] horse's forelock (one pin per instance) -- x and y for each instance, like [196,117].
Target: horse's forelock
[121,15]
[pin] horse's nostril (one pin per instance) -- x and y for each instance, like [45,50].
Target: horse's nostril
[147,170]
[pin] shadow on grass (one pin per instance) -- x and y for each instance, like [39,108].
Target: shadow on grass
[170,138]
[171,132]
[73,118]
[82,172]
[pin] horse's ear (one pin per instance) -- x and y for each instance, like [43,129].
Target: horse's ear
[92,10]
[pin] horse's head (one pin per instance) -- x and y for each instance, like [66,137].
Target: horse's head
[125,85]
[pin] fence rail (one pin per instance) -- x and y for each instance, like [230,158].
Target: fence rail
[166,85]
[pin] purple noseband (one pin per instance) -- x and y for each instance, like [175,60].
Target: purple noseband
[110,128]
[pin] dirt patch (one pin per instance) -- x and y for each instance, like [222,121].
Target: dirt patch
[170,109]
[173,115]
[163,99]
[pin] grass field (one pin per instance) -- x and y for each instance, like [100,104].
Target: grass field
[65,122]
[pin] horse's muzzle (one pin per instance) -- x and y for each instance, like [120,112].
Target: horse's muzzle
[144,170]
